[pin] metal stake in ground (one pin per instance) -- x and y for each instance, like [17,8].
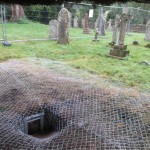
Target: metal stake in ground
[3,20]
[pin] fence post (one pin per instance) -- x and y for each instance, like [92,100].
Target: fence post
[3,19]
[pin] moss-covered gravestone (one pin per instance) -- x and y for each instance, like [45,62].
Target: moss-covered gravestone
[63,26]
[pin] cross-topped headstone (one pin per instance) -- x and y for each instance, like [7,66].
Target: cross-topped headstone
[120,50]
[123,24]
[115,26]
[63,29]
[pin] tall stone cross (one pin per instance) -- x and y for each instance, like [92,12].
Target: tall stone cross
[123,24]
[115,29]
[63,26]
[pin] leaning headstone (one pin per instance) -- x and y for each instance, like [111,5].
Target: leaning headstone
[63,26]
[120,50]
[53,29]
[147,33]
[101,24]
[75,22]
[86,27]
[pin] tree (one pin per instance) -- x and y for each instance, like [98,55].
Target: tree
[17,12]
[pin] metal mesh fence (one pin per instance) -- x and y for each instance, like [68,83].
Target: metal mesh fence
[35,24]
[78,115]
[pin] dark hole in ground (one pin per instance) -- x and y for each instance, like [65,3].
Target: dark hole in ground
[34,127]
[53,124]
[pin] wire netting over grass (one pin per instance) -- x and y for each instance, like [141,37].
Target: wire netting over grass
[83,115]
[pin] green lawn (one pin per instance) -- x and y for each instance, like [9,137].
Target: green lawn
[82,53]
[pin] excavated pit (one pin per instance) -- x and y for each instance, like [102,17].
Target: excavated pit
[77,114]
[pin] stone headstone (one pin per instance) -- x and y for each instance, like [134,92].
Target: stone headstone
[120,50]
[75,22]
[147,33]
[123,24]
[70,19]
[109,25]
[63,26]
[115,29]
[83,23]
[86,26]
[101,24]
[53,29]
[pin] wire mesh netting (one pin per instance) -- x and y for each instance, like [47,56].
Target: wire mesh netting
[77,113]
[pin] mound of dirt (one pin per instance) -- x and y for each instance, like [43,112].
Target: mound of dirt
[78,113]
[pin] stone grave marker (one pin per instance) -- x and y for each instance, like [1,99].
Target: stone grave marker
[115,29]
[53,29]
[147,33]
[109,25]
[120,50]
[83,23]
[101,24]
[75,22]
[86,29]
[63,26]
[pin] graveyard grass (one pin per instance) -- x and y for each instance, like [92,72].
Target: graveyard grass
[82,53]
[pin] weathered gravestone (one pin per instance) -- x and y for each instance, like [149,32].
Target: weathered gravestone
[109,28]
[70,19]
[53,29]
[120,50]
[147,33]
[96,36]
[86,27]
[75,22]
[115,29]
[101,24]
[63,26]
[83,23]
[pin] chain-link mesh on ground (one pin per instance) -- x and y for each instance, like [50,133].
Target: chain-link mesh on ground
[77,115]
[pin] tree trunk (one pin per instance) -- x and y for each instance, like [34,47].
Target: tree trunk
[17,12]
